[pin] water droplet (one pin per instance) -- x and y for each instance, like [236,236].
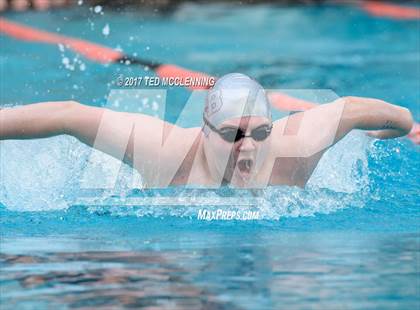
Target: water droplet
[106,30]
[155,106]
[97,9]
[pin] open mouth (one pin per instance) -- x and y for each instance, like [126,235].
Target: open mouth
[245,165]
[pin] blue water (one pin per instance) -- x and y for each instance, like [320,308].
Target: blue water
[350,240]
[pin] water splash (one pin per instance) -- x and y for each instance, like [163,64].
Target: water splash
[38,174]
[48,175]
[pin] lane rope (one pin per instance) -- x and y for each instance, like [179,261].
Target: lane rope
[390,10]
[103,54]
[96,52]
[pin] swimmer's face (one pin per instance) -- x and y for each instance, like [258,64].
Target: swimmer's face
[239,157]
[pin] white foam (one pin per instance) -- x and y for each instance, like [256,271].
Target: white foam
[48,174]
[39,174]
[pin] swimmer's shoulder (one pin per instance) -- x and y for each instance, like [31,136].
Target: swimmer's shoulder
[178,141]
[166,153]
[284,136]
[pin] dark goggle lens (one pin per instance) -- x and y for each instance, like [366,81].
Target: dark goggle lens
[233,135]
[260,134]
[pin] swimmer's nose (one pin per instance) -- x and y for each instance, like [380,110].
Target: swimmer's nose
[247,145]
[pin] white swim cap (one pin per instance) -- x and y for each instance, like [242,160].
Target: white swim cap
[235,95]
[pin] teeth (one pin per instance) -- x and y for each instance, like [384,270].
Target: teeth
[245,165]
[248,164]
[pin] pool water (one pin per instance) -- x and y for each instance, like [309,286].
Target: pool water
[350,240]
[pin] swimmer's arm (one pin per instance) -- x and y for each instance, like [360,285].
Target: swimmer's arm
[382,120]
[48,119]
[286,103]
[34,121]
[307,135]
[106,130]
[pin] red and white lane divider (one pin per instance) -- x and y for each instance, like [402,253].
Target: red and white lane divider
[390,10]
[103,54]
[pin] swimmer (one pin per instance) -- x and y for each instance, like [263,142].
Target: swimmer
[238,145]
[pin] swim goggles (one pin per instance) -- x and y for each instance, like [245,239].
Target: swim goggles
[234,135]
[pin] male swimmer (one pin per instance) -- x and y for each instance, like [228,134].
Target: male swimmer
[238,145]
